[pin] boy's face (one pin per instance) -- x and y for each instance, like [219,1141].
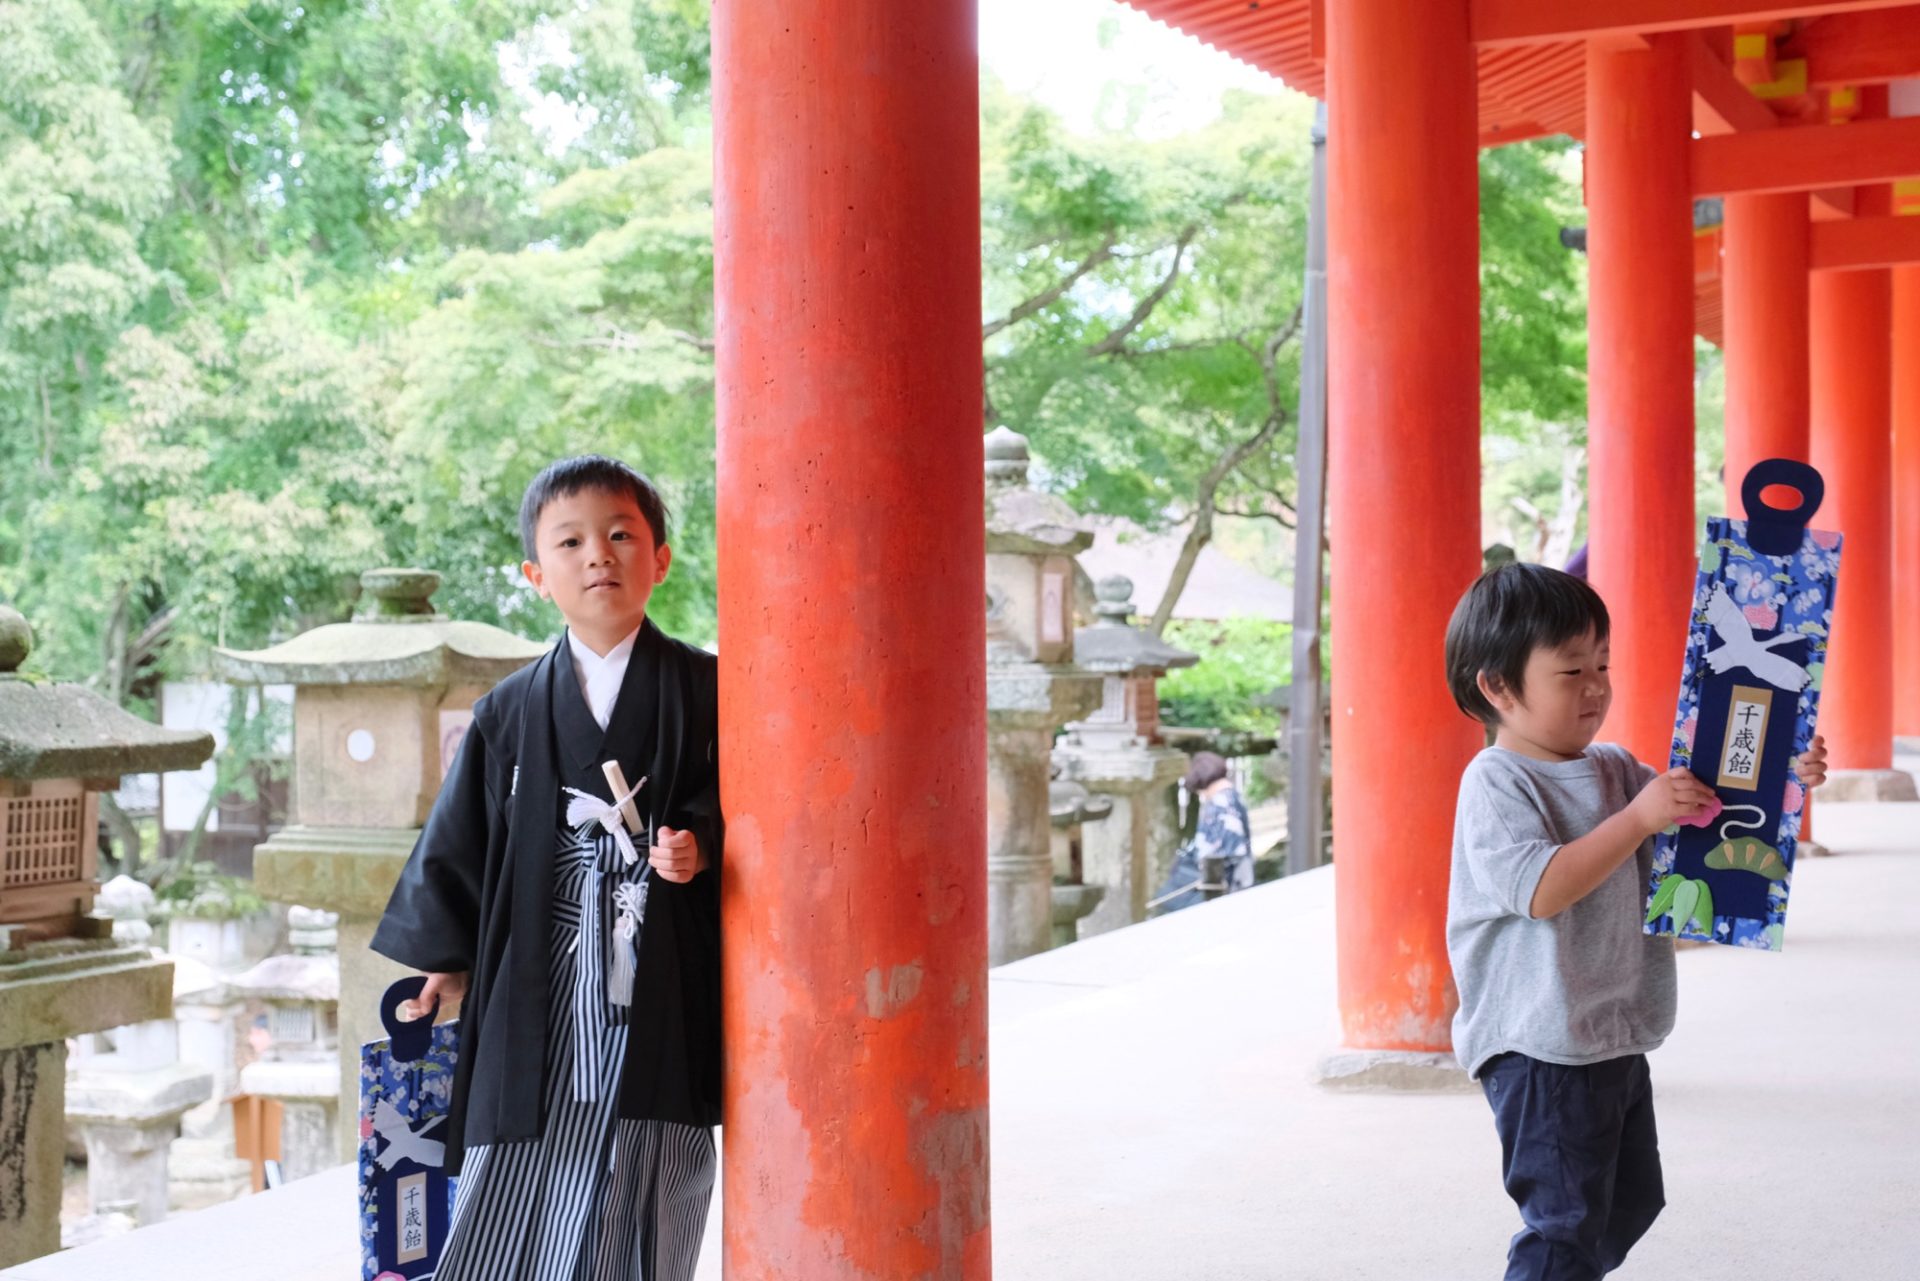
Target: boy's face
[1564,699]
[598,563]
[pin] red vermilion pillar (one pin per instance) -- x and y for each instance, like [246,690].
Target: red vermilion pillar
[1641,551]
[1906,500]
[852,639]
[1852,381]
[1404,493]
[1763,270]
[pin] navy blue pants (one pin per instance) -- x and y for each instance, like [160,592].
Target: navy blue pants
[1580,1158]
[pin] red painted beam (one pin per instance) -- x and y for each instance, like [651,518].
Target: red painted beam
[1832,203]
[1864,242]
[1500,22]
[1807,157]
[1722,104]
[1859,48]
[1524,131]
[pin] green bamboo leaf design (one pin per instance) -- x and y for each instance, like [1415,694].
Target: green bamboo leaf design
[1663,897]
[1684,900]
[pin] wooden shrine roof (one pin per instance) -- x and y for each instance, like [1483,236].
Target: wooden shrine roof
[1531,90]
[1525,92]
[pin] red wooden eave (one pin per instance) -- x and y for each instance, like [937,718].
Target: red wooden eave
[1531,65]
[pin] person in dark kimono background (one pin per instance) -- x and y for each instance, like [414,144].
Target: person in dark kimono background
[565,891]
[1222,831]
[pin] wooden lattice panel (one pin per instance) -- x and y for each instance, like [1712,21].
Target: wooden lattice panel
[47,850]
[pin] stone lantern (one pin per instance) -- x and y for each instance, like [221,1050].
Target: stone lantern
[127,1101]
[1073,806]
[298,1068]
[1118,752]
[61,973]
[379,707]
[1033,688]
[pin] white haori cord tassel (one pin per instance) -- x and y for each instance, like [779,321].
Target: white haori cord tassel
[630,902]
[621,819]
[629,899]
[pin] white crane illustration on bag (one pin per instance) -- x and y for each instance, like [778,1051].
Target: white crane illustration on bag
[1738,648]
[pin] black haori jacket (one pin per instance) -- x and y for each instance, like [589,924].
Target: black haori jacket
[477,893]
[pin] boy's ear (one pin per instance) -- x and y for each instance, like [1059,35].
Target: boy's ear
[662,562]
[537,576]
[1494,690]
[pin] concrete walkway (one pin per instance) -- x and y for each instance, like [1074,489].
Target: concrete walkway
[1153,1119]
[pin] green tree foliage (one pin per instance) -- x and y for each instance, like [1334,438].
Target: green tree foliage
[1142,301]
[1533,289]
[1143,304]
[81,177]
[1533,349]
[598,341]
[295,287]
[1245,665]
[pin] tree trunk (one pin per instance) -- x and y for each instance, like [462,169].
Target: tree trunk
[1197,538]
[1559,542]
[124,833]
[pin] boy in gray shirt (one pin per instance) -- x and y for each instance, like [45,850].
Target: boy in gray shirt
[1561,992]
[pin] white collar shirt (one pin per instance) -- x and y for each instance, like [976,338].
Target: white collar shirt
[600,678]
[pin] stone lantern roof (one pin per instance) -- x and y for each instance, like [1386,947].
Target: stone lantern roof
[1020,519]
[398,639]
[1114,645]
[68,731]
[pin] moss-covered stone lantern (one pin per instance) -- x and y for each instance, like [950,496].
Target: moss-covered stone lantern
[1033,688]
[62,974]
[1118,753]
[380,705]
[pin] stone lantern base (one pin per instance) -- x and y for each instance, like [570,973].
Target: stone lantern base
[308,1093]
[350,871]
[1127,851]
[49,992]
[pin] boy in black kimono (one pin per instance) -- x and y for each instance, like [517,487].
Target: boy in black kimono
[582,933]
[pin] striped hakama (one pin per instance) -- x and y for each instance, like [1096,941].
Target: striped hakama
[595,1197]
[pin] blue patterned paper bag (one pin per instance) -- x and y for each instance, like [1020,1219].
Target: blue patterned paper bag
[406,1198]
[1756,651]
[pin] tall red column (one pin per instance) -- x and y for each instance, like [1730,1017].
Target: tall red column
[1404,493]
[1906,500]
[1763,273]
[1640,377]
[1852,381]
[852,639]
[1763,290]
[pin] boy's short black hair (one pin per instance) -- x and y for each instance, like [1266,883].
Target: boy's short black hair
[569,476]
[1510,611]
[1207,769]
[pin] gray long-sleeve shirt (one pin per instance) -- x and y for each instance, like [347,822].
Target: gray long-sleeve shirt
[1585,985]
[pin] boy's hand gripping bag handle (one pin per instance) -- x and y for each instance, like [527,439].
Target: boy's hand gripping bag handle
[411,1039]
[1777,531]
